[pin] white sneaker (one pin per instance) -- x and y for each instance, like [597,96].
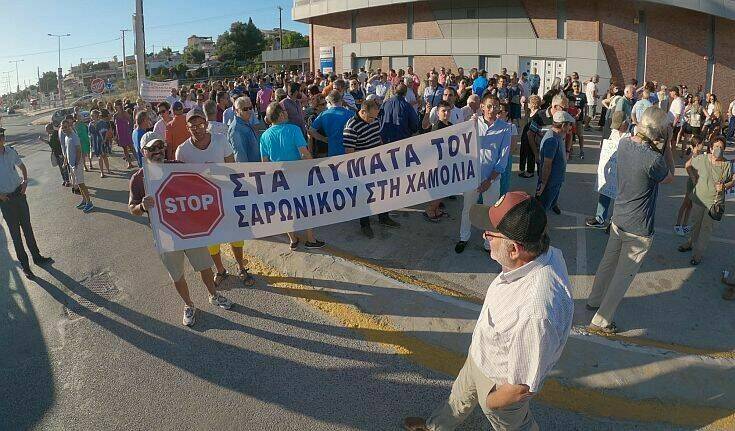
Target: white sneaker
[220,301]
[189,316]
[679,230]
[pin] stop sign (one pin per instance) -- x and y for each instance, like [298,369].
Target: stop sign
[97,86]
[189,205]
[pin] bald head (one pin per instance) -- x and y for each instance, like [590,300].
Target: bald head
[629,91]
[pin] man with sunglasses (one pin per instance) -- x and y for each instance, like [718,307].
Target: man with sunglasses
[241,135]
[206,147]
[140,203]
[523,326]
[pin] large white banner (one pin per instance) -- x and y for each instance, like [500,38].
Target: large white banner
[154,91]
[202,204]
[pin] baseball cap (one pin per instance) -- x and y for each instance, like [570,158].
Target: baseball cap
[147,138]
[195,112]
[563,117]
[177,106]
[517,215]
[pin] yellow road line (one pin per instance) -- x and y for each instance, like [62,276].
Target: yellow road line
[639,341]
[554,393]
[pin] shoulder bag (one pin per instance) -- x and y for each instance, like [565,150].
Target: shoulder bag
[717,210]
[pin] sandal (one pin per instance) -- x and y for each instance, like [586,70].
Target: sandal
[246,277]
[220,277]
[684,248]
[295,244]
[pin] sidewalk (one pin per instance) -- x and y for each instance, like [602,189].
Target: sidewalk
[675,362]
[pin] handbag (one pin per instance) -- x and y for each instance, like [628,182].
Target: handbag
[717,210]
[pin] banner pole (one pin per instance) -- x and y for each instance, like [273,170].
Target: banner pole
[478,169]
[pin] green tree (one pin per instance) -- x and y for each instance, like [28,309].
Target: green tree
[294,40]
[193,55]
[181,69]
[48,82]
[165,52]
[241,42]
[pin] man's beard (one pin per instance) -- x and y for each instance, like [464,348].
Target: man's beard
[501,254]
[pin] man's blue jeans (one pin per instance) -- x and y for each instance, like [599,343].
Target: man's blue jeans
[731,128]
[604,204]
[550,196]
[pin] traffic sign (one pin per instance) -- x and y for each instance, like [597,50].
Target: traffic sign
[109,85]
[97,85]
[189,205]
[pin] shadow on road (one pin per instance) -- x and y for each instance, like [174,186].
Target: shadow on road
[27,386]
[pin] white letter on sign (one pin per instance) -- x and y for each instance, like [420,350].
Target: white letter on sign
[170,205]
[207,200]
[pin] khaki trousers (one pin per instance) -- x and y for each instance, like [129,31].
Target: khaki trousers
[619,265]
[702,224]
[470,389]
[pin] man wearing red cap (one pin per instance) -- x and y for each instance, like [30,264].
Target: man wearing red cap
[523,325]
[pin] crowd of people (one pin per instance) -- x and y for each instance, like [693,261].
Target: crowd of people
[294,116]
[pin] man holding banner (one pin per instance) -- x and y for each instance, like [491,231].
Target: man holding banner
[206,147]
[138,204]
[494,136]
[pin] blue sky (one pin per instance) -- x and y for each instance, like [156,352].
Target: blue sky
[95,28]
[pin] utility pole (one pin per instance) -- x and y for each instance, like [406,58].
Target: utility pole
[17,79]
[280,27]
[60,71]
[124,71]
[139,29]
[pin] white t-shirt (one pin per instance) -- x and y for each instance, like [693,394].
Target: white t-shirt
[160,127]
[216,152]
[731,109]
[677,108]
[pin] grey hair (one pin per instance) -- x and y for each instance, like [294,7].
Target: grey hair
[560,99]
[654,124]
[334,97]
[210,109]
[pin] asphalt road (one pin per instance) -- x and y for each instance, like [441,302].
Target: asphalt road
[96,342]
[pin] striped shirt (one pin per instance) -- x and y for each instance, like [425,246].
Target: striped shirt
[361,135]
[524,322]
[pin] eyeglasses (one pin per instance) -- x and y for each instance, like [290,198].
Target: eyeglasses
[197,126]
[246,109]
[162,111]
[153,149]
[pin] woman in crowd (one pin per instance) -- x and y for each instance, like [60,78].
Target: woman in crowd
[682,227]
[464,90]
[713,117]
[712,176]
[694,114]
[124,131]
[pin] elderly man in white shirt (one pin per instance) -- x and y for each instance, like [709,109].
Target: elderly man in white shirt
[523,325]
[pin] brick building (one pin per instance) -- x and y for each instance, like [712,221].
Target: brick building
[670,41]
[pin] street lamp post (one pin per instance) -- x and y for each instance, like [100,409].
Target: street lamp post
[17,79]
[60,71]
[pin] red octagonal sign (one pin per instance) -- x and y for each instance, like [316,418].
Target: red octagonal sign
[189,205]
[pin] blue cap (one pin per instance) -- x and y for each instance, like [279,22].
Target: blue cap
[177,106]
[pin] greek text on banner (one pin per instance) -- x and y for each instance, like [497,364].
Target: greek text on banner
[154,91]
[202,204]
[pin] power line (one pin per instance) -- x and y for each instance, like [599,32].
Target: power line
[65,49]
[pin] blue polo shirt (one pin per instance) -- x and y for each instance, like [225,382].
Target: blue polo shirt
[281,143]
[332,123]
